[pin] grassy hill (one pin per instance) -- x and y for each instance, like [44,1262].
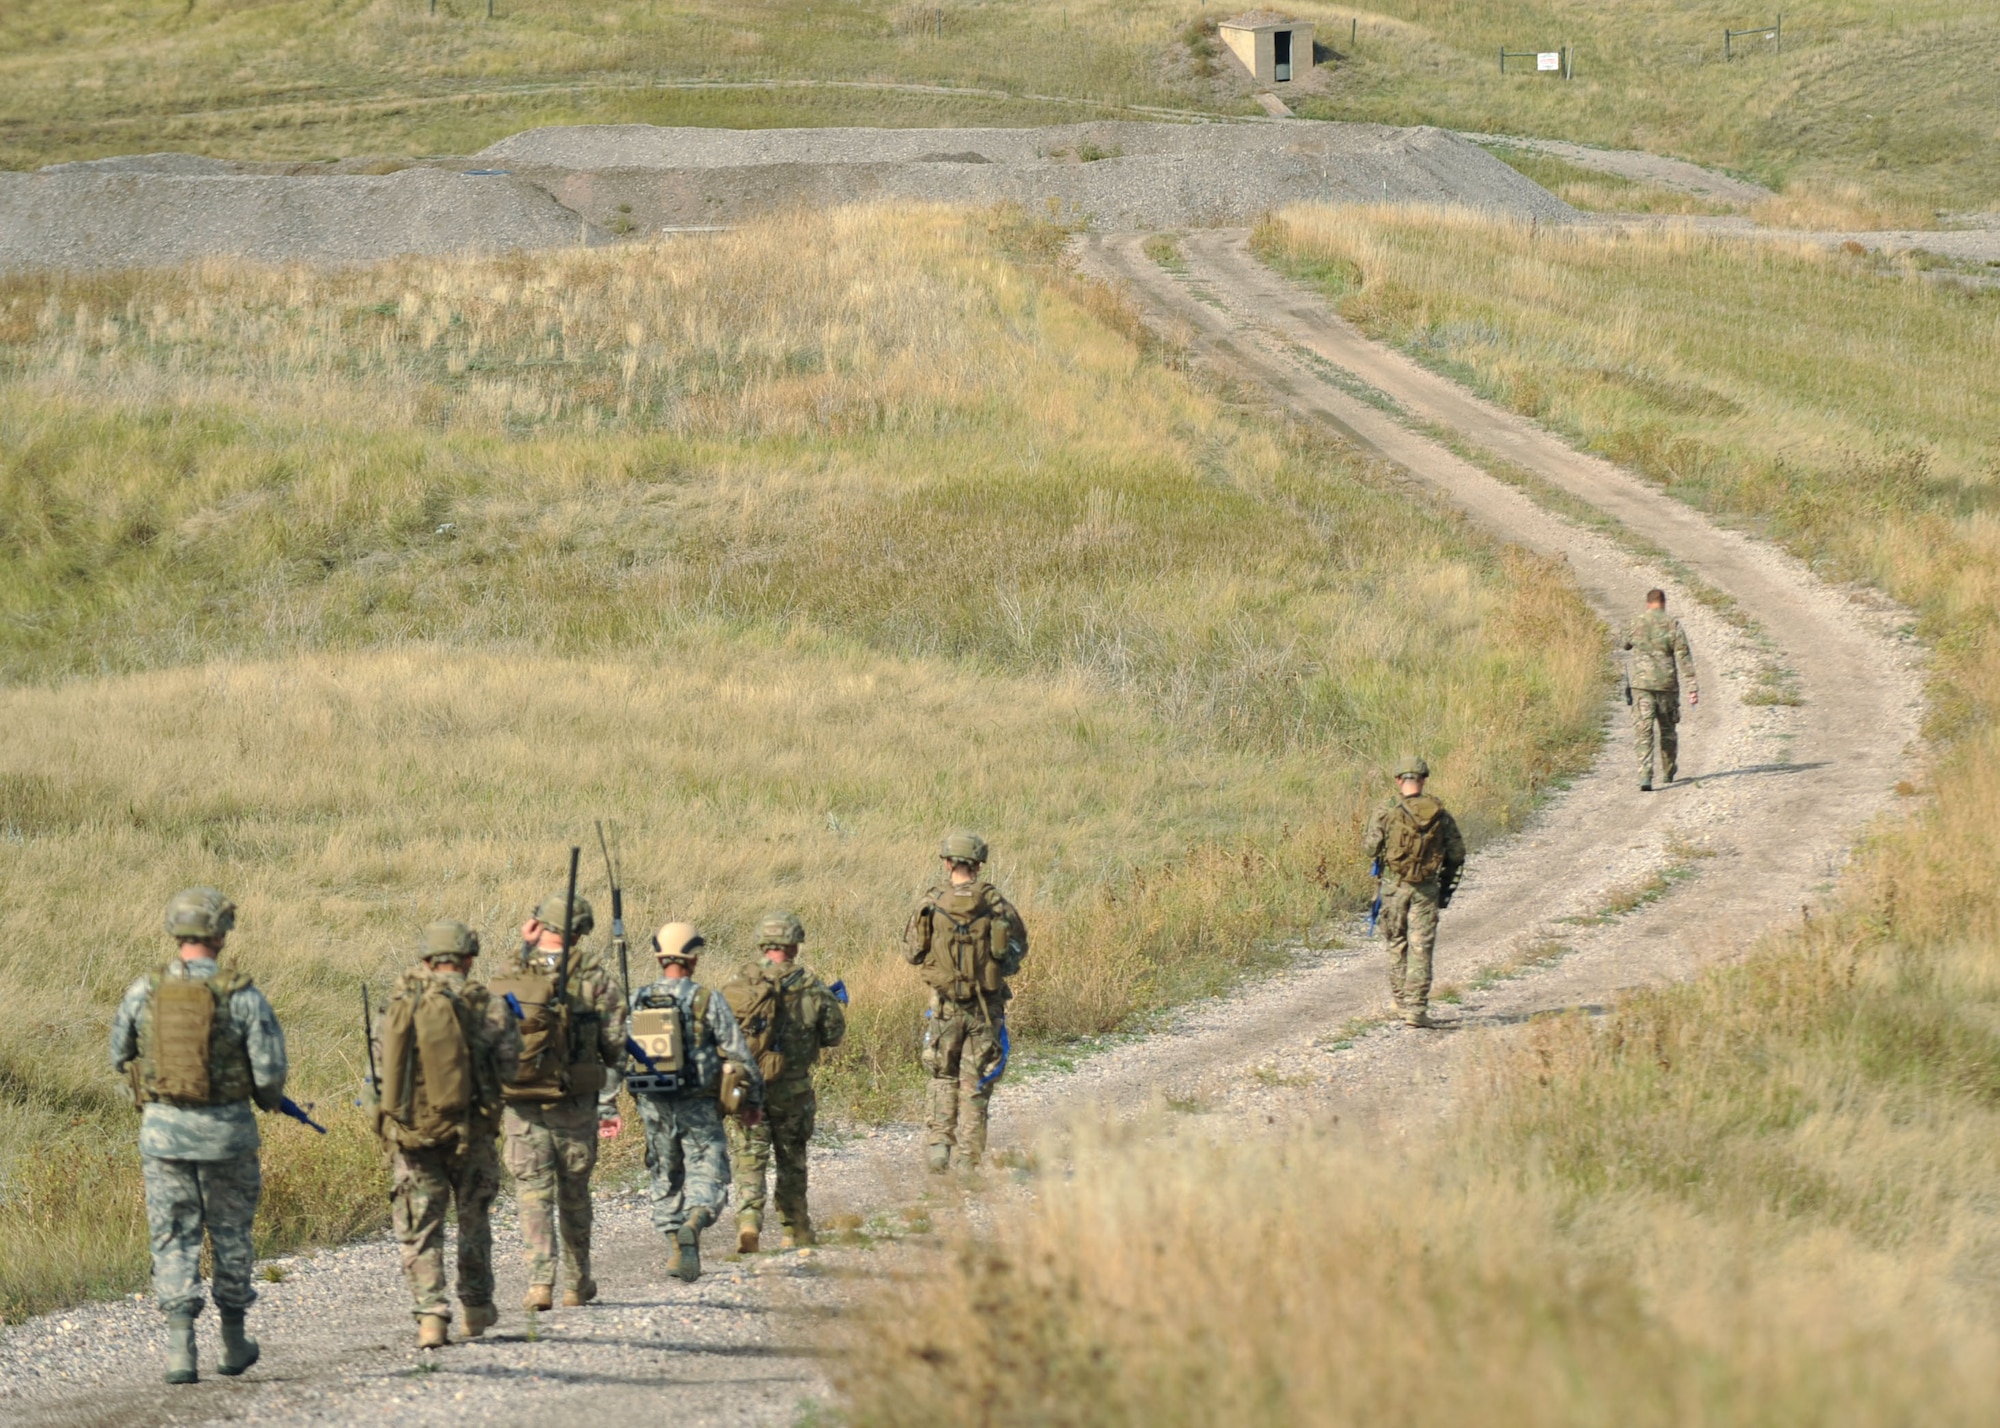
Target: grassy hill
[362,593]
[1896,98]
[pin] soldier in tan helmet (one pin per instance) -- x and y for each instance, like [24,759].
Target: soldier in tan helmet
[966,940]
[1418,854]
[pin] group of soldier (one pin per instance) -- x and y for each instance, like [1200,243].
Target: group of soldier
[535,1061]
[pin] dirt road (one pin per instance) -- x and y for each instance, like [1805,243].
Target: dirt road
[1773,797]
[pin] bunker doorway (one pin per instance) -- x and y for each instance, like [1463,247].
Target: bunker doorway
[1281,54]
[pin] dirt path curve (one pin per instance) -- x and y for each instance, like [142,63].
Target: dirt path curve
[1636,165]
[1775,793]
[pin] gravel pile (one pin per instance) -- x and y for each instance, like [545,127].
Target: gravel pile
[162,210]
[555,187]
[1112,175]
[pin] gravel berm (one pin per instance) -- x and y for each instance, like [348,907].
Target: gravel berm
[560,186]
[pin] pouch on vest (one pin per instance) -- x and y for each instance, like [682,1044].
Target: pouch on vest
[183,1022]
[735,1090]
[755,1001]
[544,1028]
[1414,846]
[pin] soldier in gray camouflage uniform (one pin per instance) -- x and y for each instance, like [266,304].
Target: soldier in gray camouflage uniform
[1658,657]
[687,1149]
[196,1061]
[429,1172]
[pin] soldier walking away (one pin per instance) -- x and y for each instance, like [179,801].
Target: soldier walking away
[689,1061]
[564,1097]
[199,1044]
[1658,657]
[788,1017]
[1418,854]
[445,1046]
[966,940]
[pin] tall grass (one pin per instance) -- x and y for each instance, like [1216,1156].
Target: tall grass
[1891,96]
[362,593]
[1760,1197]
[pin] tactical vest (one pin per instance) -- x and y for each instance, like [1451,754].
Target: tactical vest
[559,1057]
[761,1009]
[678,1044]
[963,943]
[1413,842]
[432,1083]
[191,1052]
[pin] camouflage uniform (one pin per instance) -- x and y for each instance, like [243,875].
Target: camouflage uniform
[425,1182]
[200,1161]
[1659,656]
[1409,916]
[687,1151]
[809,1021]
[964,1047]
[551,1146]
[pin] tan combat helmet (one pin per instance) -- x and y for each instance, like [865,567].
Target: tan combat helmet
[678,942]
[780,929]
[1412,766]
[581,919]
[449,940]
[963,847]
[199,914]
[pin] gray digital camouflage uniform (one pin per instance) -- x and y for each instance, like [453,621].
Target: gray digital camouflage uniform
[687,1150]
[424,1183]
[551,1146]
[200,1163]
[1658,657]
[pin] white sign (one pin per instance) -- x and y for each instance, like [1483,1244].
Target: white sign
[1549,59]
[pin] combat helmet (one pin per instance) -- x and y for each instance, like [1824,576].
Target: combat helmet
[581,919]
[963,847]
[780,929]
[1412,766]
[197,914]
[678,942]
[449,938]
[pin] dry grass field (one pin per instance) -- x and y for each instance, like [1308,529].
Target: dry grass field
[1884,105]
[362,593]
[1762,1197]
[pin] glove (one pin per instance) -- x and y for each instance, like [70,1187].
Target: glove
[1445,890]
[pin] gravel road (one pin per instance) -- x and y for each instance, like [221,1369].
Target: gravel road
[1775,793]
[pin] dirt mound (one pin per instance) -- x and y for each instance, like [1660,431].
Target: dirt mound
[1112,175]
[553,187]
[102,216]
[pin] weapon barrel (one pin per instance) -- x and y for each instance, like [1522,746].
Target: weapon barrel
[368,1038]
[292,1108]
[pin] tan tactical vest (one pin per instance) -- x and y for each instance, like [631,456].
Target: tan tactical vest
[962,938]
[191,1052]
[1413,842]
[559,1058]
[430,1081]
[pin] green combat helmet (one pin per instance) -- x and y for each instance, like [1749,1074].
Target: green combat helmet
[449,938]
[780,929]
[550,914]
[963,847]
[197,914]
[1412,766]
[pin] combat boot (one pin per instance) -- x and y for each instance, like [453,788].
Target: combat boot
[539,1296]
[687,1263]
[940,1159]
[747,1233]
[479,1318]
[1418,1017]
[180,1349]
[432,1331]
[239,1350]
[585,1291]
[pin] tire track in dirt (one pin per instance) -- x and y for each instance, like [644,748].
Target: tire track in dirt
[1776,795]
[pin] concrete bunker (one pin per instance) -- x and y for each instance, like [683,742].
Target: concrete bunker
[1274,48]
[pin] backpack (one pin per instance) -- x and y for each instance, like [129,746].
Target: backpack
[191,1052]
[1413,841]
[758,1006]
[658,1029]
[965,941]
[427,1076]
[558,1046]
